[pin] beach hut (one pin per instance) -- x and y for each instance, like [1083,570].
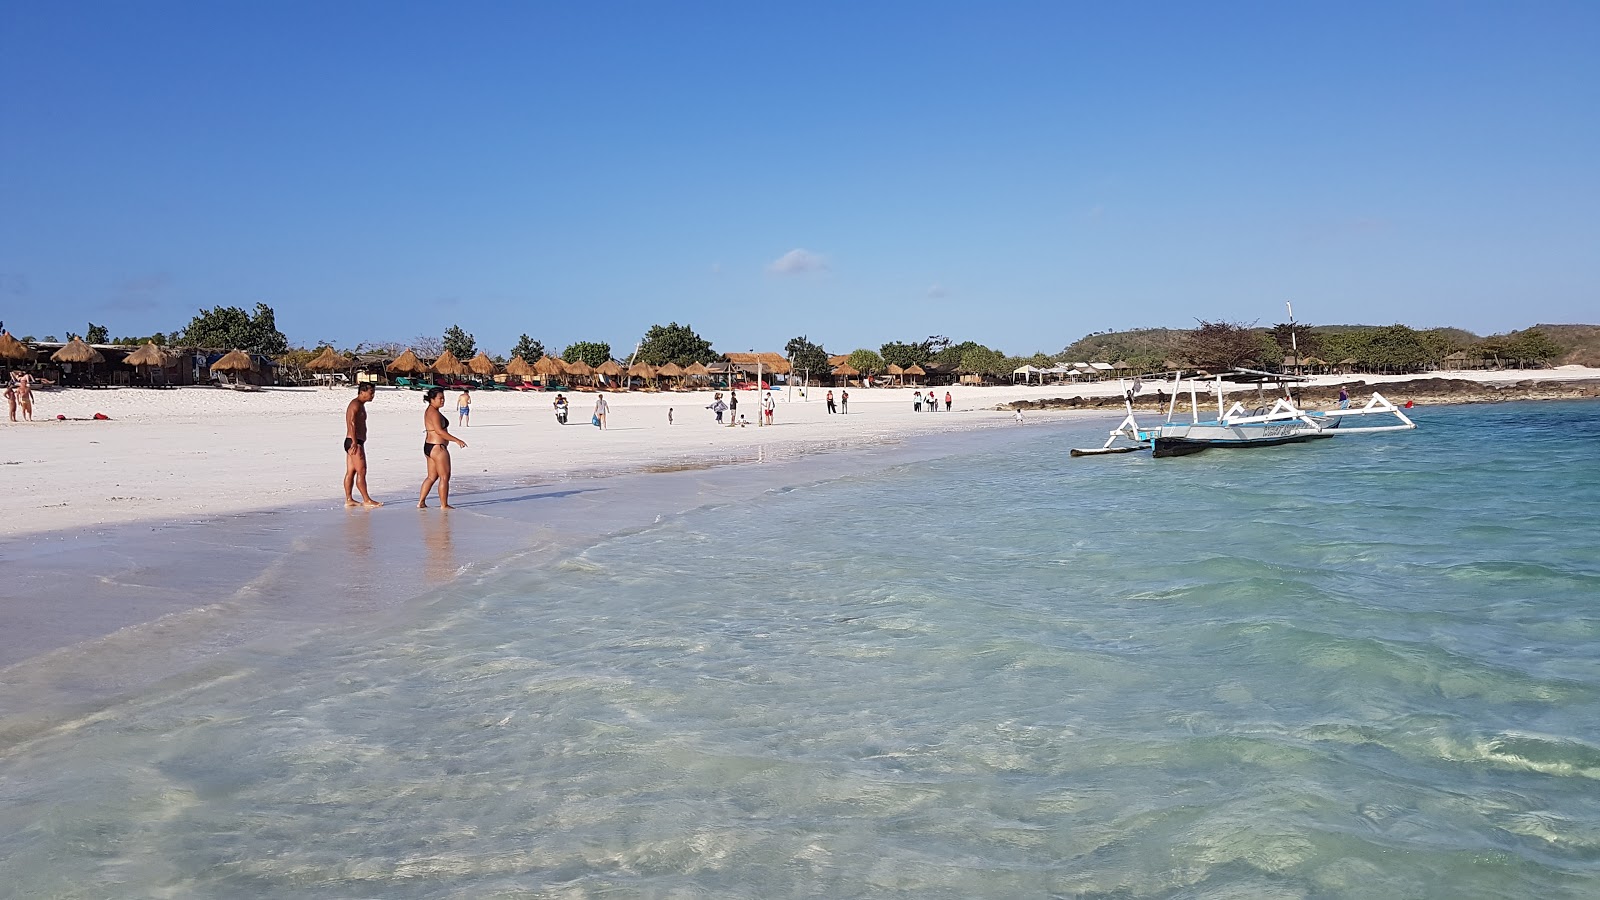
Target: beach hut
[77,353]
[610,369]
[640,370]
[671,370]
[845,371]
[898,373]
[407,364]
[915,372]
[152,359]
[1456,360]
[235,361]
[13,350]
[482,366]
[549,367]
[448,364]
[330,361]
[1347,366]
[577,368]
[697,372]
[519,368]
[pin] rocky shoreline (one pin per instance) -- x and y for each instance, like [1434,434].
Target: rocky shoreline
[1424,391]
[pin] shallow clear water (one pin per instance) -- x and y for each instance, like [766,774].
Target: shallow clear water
[1367,667]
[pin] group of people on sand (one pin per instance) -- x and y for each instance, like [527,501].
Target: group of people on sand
[932,401]
[19,392]
[436,443]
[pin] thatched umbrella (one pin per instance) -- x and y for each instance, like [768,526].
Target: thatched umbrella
[577,368]
[915,371]
[13,349]
[330,361]
[548,366]
[235,361]
[641,370]
[670,370]
[76,351]
[447,364]
[148,355]
[520,368]
[896,371]
[482,365]
[846,370]
[698,370]
[407,364]
[609,368]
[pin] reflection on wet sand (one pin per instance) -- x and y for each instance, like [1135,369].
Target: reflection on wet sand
[441,558]
[356,536]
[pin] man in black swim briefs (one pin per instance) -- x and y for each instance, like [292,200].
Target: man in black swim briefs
[355,451]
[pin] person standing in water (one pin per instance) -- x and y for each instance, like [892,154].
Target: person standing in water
[436,449]
[464,407]
[355,451]
[601,410]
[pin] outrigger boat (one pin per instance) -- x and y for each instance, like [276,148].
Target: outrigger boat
[1283,422]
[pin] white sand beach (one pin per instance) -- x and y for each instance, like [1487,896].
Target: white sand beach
[196,452]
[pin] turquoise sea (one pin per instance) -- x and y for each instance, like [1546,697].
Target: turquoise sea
[1365,667]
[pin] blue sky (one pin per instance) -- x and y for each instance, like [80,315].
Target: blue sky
[1016,174]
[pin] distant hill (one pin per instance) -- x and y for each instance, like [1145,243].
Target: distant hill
[1582,343]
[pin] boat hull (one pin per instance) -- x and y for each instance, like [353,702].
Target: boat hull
[1182,440]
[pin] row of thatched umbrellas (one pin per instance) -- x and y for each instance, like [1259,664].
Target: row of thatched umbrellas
[409,363]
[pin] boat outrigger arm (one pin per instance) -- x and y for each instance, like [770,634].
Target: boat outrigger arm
[1237,426]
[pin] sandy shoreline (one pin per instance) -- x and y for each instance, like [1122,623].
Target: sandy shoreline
[201,452]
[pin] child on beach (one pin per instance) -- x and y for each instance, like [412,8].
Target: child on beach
[669,417]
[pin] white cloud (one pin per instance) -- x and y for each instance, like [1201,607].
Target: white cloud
[798,262]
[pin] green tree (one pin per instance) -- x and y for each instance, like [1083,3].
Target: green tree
[675,343]
[866,362]
[1396,348]
[592,352]
[905,356]
[159,339]
[1288,337]
[459,342]
[232,327]
[951,354]
[984,361]
[97,334]
[1533,345]
[529,349]
[807,358]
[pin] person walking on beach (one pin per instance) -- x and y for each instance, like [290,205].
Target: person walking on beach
[464,407]
[669,417]
[25,395]
[436,449]
[601,410]
[831,408]
[844,402]
[1344,397]
[768,407]
[717,406]
[947,401]
[355,451]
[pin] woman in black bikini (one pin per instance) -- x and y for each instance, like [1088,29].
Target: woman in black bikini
[436,449]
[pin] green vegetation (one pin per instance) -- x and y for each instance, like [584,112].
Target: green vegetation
[529,349]
[867,362]
[592,352]
[232,327]
[675,343]
[459,343]
[808,359]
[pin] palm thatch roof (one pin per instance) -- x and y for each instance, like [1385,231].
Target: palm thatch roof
[846,369]
[234,361]
[609,367]
[482,364]
[329,361]
[579,367]
[767,362]
[407,364]
[670,370]
[641,370]
[448,364]
[839,360]
[11,348]
[520,368]
[697,370]
[915,369]
[148,355]
[76,351]
[549,365]
[895,370]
